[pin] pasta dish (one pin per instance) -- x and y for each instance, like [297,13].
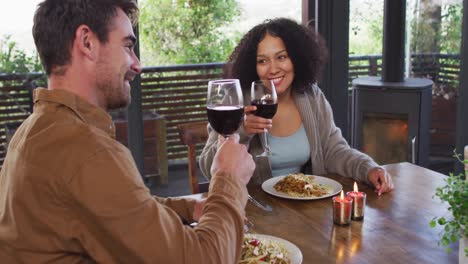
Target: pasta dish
[300,185]
[256,251]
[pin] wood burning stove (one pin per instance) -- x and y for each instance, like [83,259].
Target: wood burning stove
[387,116]
[391,115]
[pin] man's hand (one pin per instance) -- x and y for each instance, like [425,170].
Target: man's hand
[232,158]
[198,209]
[381,180]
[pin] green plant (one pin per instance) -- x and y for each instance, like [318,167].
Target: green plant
[187,31]
[366,27]
[15,60]
[455,193]
[452,15]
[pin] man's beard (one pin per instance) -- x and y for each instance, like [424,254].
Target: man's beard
[114,96]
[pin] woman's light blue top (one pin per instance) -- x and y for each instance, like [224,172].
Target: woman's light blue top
[289,153]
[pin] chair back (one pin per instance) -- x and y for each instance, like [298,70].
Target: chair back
[191,134]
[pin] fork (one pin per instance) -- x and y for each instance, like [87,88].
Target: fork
[247,225]
[265,207]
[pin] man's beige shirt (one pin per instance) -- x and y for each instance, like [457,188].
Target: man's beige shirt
[70,193]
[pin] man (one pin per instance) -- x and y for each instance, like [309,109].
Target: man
[70,193]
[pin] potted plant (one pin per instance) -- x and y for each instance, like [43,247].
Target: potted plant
[455,193]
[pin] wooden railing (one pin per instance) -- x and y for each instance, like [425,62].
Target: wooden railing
[179,92]
[15,103]
[441,68]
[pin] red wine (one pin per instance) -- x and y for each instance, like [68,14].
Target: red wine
[225,119]
[265,108]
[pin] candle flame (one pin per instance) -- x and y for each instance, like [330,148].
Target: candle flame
[355,188]
[342,195]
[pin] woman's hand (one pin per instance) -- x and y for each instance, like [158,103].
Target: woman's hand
[254,124]
[381,180]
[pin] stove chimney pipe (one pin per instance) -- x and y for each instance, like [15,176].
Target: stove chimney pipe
[393,59]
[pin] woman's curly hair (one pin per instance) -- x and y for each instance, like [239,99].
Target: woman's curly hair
[305,47]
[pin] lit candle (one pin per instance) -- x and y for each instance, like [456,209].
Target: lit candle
[342,207]
[359,203]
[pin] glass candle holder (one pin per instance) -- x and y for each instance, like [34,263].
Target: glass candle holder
[359,203]
[342,207]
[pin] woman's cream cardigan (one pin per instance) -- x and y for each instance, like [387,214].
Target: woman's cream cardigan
[330,153]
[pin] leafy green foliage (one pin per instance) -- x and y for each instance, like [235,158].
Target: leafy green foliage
[15,60]
[426,27]
[455,193]
[182,32]
[451,27]
[366,27]
[437,28]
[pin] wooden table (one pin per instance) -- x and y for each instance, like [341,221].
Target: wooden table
[395,228]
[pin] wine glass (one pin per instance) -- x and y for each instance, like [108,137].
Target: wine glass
[225,106]
[225,109]
[263,96]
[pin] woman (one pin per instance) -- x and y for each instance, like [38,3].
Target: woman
[302,134]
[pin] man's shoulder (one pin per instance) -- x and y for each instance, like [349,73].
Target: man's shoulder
[50,149]
[83,138]
[64,135]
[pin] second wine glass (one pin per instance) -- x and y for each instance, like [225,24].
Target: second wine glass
[263,96]
[225,107]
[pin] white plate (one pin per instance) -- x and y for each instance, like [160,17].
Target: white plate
[335,186]
[295,253]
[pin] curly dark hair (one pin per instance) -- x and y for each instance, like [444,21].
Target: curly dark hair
[56,21]
[305,47]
